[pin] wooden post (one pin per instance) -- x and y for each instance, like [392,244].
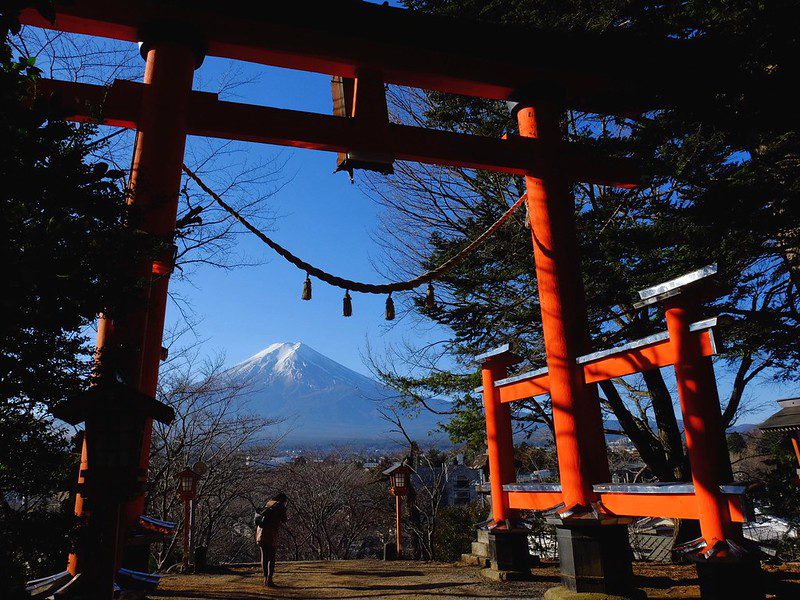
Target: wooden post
[399,523]
[132,344]
[577,419]
[585,545]
[796,445]
[702,422]
[499,438]
[187,519]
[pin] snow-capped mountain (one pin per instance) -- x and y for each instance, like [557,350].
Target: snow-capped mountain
[321,401]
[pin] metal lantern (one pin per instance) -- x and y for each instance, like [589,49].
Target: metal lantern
[187,484]
[115,415]
[399,481]
[399,474]
[187,492]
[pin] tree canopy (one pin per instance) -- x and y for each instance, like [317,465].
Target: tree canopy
[720,186]
[62,231]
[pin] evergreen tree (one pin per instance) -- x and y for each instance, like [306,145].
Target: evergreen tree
[720,186]
[62,230]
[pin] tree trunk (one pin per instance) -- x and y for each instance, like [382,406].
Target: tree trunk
[668,431]
[739,383]
[648,446]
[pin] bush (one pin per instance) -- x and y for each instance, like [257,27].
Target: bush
[455,530]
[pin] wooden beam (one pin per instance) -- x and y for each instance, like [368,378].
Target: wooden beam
[649,353]
[529,387]
[670,500]
[534,500]
[116,106]
[210,117]
[645,358]
[610,72]
[673,506]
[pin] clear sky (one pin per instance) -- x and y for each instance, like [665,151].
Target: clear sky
[325,220]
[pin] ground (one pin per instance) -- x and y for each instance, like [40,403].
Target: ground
[404,580]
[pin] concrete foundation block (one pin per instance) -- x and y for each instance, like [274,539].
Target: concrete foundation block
[595,558]
[720,580]
[509,551]
[480,549]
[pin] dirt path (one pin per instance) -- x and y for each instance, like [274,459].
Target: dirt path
[441,581]
[349,579]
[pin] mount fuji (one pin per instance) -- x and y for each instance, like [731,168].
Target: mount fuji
[320,401]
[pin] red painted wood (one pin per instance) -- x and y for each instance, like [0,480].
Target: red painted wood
[578,425]
[612,72]
[660,354]
[674,506]
[702,423]
[655,356]
[210,117]
[534,500]
[499,438]
[529,388]
[155,181]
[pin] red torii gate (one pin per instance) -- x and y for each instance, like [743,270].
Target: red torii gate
[725,564]
[687,346]
[374,45]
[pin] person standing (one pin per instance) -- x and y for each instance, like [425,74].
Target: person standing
[268,521]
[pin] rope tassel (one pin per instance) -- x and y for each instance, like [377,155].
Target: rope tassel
[430,298]
[389,308]
[347,305]
[306,288]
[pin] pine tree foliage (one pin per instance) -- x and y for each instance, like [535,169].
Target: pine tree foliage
[720,185]
[66,245]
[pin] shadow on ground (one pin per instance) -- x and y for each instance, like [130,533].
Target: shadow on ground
[441,581]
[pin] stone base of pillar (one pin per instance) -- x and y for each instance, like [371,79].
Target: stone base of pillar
[596,558]
[741,578]
[509,552]
[390,551]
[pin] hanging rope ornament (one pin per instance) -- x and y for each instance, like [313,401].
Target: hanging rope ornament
[358,286]
[389,308]
[347,305]
[430,298]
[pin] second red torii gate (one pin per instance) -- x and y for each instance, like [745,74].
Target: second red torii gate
[715,502]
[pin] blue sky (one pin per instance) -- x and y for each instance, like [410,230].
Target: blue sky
[323,218]
[330,223]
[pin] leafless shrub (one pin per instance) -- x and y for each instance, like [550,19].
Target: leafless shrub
[211,425]
[337,510]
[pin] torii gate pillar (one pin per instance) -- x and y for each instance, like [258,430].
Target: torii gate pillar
[595,554]
[131,346]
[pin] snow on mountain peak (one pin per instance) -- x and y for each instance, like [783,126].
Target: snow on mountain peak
[322,399]
[282,348]
[294,363]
